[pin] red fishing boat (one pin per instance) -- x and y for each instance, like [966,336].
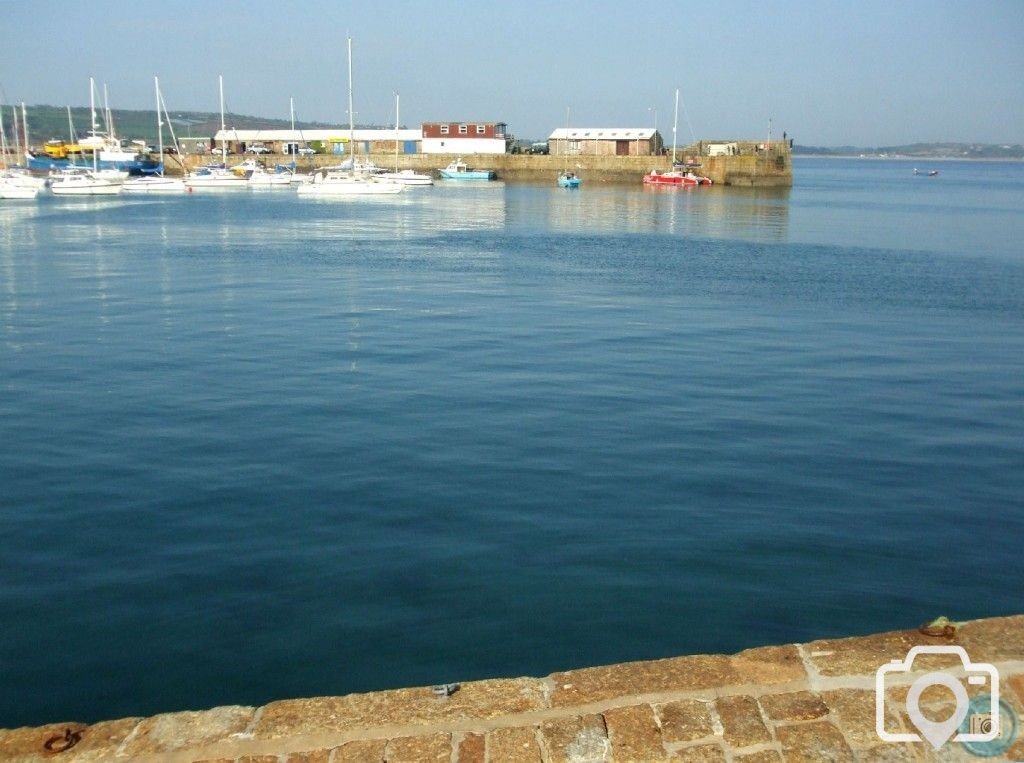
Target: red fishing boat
[675,177]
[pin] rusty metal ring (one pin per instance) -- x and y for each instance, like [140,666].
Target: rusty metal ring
[62,742]
[937,631]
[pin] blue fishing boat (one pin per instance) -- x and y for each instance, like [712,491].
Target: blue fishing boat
[569,180]
[457,170]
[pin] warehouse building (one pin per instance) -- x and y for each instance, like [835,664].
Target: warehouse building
[465,138]
[605,141]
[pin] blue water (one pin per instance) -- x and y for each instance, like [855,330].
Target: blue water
[256,447]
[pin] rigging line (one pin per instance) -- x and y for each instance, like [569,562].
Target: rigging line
[686,116]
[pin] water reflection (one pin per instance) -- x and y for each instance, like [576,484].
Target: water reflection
[726,213]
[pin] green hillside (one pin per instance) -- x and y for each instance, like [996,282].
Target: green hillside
[47,122]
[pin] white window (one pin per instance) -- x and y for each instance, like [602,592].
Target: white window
[481,129]
[444,129]
[463,129]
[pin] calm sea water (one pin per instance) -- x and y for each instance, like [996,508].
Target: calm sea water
[253,447]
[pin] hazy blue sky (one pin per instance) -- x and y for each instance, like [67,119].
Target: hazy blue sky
[829,73]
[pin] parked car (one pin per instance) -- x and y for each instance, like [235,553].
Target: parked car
[306,151]
[258,148]
[218,151]
[170,150]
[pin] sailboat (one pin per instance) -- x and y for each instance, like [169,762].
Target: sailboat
[15,182]
[11,185]
[675,177]
[567,179]
[405,177]
[158,183]
[217,176]
[346,180]
[79,181]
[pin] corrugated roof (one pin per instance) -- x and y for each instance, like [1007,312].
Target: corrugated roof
[602,133]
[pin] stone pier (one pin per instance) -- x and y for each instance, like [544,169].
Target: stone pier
[753,167]
[795,702]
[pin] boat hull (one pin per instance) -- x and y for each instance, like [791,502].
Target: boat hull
[343,189]
[468,175]
[407,177]
[155,185]
[675,179]
[12,191]
[270,181]
[569,182]
[95,188]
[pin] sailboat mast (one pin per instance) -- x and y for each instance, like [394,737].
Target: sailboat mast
[675,126]
[159,122]
[3,139]
[351,115]
[565,152]
[223,127]
[396,132]
[108,123]
[24,126]
[92,112]
[71,127]
[17,140]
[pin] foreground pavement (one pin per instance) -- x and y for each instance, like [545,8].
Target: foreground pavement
[797,702]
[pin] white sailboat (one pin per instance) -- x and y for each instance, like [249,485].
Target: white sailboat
[261,177]
[405,177]
[10,187]
[158,183]
[17,177]
[79,181]
[218,176]
[347,181]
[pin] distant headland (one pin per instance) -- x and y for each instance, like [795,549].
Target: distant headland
[919,151]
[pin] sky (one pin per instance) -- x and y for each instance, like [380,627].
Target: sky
[829,72]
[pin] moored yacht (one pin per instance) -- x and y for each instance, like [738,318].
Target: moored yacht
[78,181]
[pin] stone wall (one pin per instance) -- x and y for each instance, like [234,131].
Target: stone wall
[771,169]
[796,702]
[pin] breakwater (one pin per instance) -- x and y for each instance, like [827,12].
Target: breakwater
[751,166]
[793,702]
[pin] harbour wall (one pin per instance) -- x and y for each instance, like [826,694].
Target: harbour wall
[751,166]
[789,703]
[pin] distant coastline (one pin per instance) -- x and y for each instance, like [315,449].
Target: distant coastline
[890,158]
[919,151]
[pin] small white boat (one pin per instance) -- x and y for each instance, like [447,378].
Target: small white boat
[261,178]
[337,182]
[78,181]
[407,177]
[218,176]
[155,184]
[353,177]
[11,189]
[16,182]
